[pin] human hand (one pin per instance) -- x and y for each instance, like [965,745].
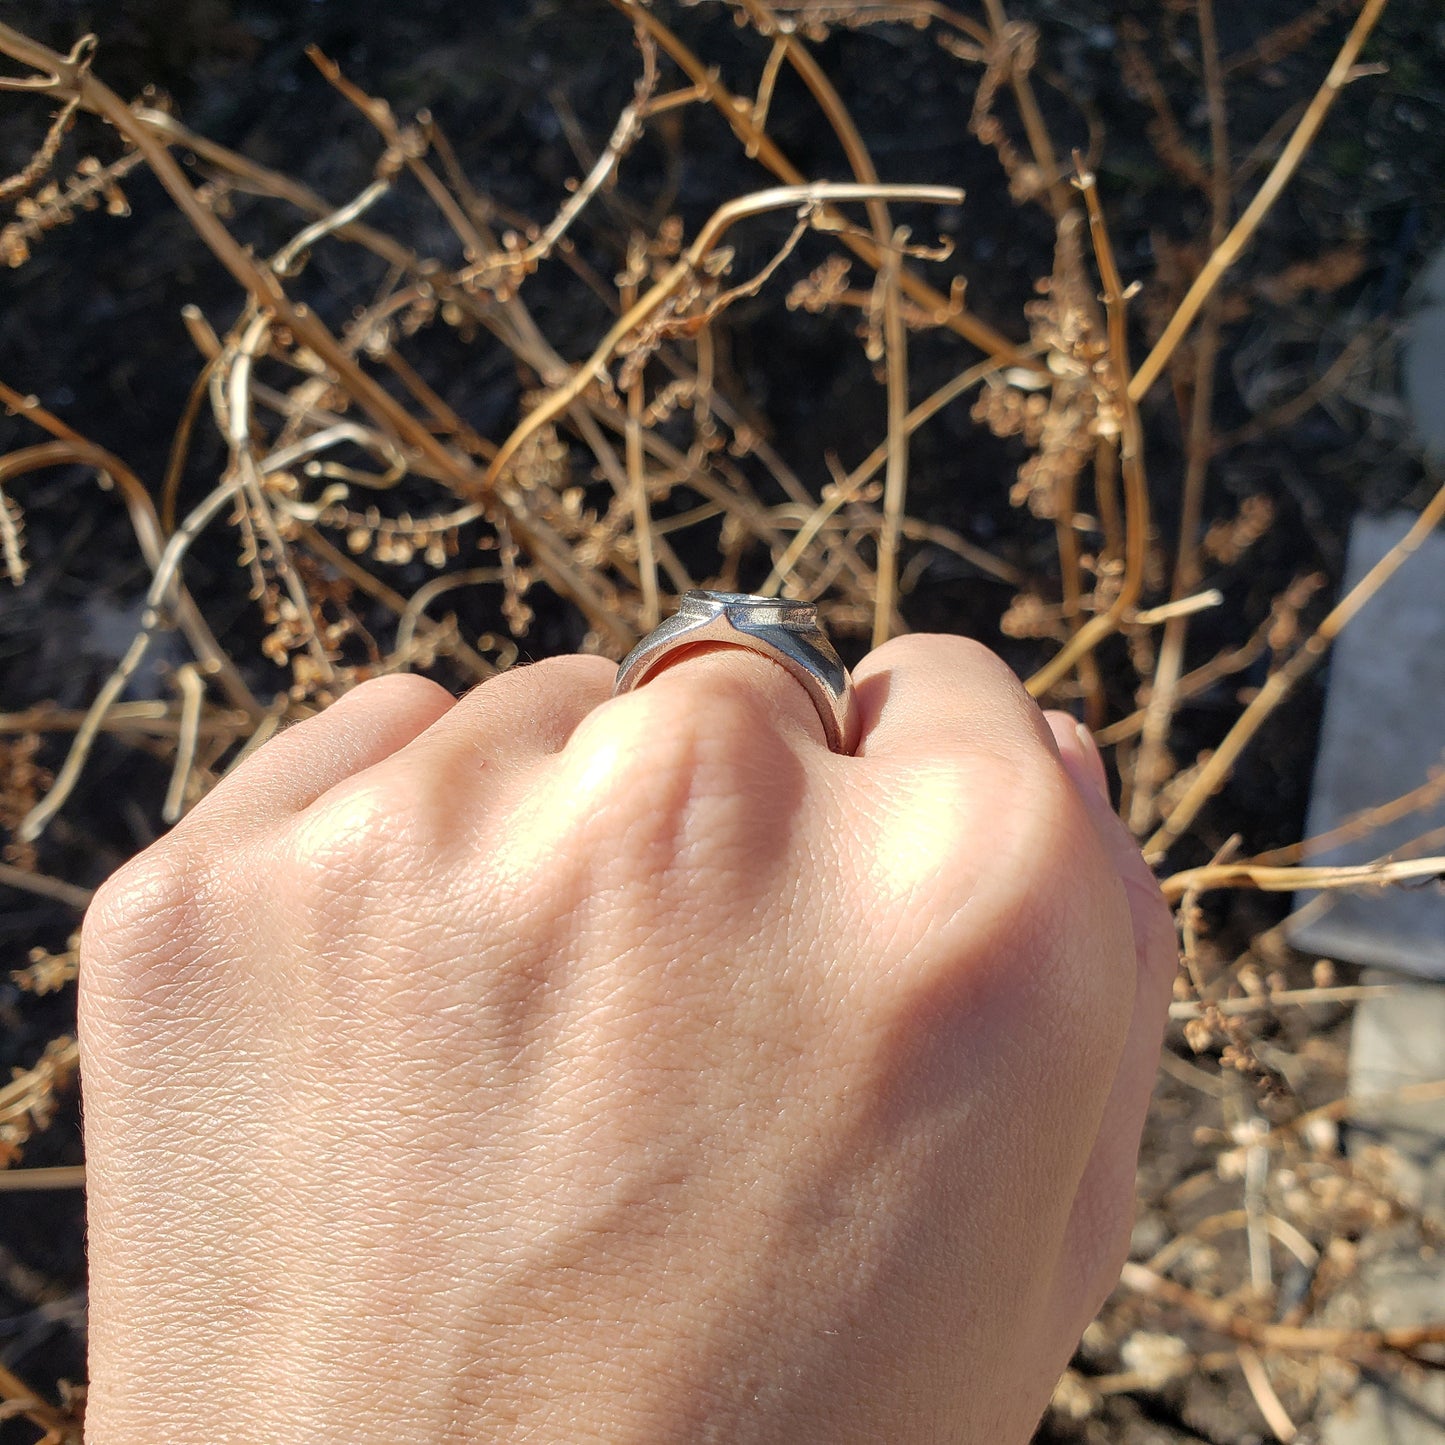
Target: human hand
[549,1067]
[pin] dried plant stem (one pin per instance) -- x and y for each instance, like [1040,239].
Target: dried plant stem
[1280,42]
[193,694]
[847,491]
[413,613]
[1353,1105]
[1193,683]
[29,1181]
[836,113]
[1066,539]
[34,822]
[287,258]
[1239,237]
[1106,498]
[250,176]
[76,449]
[1257,1378]
[147,530]
[44,157]
[624,134]
[1131,460]
[1286,998]
[181,446]
[767,83]
[44,887]
[1188,917]
[10,548]
[1256,1183]
[895,483]
[589,426]
[1363,823]
[1222,1317]
[1056,185]
[248,469]
[257,280]
[432,633]
[157,719]
[1282,681]
[776,199]
[1227,1221]
[264,286]
[1302,877]
[738,115]
[1149,766]
[637,492]
[1180,607]
[1289,412]
[21,1399]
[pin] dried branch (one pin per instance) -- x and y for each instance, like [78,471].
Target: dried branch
[809,200]
[1300,877]
[895,485]
[1281,682]
[1149,767]
[44,887]
[1131,458]
[1235,243]
[738,115]
[1221,1317]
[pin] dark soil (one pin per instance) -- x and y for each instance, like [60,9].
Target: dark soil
[92,326]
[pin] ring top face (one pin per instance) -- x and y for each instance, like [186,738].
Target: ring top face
[784,631]
[747,610]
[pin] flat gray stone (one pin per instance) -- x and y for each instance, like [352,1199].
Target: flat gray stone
[1414,1414]
[1384,732]
[1399,1040]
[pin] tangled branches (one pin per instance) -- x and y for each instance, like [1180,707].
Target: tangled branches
[381,527]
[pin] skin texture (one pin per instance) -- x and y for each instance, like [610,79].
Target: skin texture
[544,1067]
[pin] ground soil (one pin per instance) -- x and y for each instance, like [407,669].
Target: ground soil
[92,326]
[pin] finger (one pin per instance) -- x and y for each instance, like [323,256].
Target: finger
[1099,1227]
[1153,924]
[298,765]
[1078,750]
[697,675]
[524,714]
[925,694]
[723,688]
[1096,1242]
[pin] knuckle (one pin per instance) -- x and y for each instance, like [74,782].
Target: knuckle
[566,670]
[963,657]
[558,676]
[139,942]
[1006,892]
[941,647]
[1082,972]
[399,693]
[659,772]
[709,737]
[140,907]
[367,828]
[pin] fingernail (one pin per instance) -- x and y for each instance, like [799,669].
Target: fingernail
[1093,760]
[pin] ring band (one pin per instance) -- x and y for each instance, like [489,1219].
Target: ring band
[787,633]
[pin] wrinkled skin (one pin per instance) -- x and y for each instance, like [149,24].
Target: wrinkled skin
[544,1067]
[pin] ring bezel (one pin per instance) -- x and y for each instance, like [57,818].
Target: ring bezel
[784,631]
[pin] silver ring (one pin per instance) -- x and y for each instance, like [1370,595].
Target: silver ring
[786,632]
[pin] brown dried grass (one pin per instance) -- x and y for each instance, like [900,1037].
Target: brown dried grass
[676,467]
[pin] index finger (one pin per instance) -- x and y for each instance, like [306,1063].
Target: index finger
[931,695]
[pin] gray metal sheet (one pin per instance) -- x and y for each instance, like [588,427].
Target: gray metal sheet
[1384,732]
